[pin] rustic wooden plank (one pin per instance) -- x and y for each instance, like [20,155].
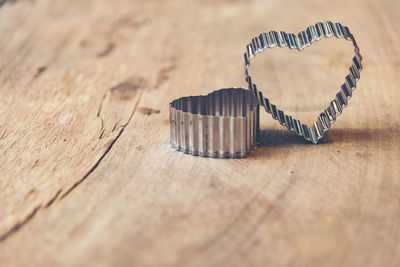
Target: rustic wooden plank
[87,174]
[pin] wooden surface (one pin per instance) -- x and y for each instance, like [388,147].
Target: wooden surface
[87,175]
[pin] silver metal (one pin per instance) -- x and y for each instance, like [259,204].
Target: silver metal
[301,41]
[222,124]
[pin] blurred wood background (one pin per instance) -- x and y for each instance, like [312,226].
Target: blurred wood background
[87,175]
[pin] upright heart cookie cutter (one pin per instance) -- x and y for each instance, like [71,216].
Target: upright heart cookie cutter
[301,41]
[225,123]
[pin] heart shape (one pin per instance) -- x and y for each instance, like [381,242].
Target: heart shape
[222,124]
[301,41]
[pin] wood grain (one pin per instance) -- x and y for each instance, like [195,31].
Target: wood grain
[87,175]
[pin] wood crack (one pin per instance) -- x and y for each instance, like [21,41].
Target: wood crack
[107,50]
[53,199]
[22,223]
[108,148]
[95,165]
[18,225]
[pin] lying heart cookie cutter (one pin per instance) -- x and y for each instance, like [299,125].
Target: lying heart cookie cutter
[222,124]
[301,41]
[225,123]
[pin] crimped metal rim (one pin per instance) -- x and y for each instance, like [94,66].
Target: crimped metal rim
[300,41]
[222,124]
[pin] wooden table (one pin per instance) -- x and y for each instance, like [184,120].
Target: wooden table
[87,175]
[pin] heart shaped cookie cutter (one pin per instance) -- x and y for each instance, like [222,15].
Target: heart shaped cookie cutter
[222,124]
[225,123]
[301,41]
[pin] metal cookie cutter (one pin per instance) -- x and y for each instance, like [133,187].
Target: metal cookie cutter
[301,41]
[222,124]
[225,123]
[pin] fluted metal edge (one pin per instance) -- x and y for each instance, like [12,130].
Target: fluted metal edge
[301,41]
[222,124]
